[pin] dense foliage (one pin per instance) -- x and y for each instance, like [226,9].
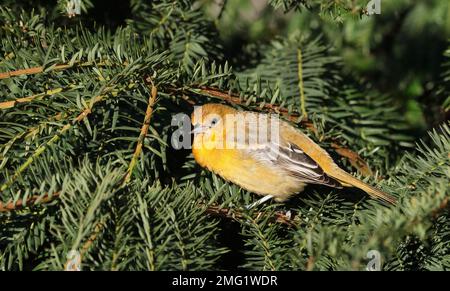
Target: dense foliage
[86,105]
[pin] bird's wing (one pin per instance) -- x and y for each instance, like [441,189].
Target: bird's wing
[294,161]
[279,153]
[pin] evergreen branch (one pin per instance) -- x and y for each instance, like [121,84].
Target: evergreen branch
[236,215]
[54,139]
[143,132]
[264,241]
[300,84]
[315,221]
[36,154]
[214,210]
[86,246]
[12,103]
[58,67]
[33,200]
[97,229]
[104,185]
[323,7]
[21,72]
[163,19]
[81,116]
[32,131]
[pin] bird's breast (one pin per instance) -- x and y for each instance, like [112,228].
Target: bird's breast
[255,176]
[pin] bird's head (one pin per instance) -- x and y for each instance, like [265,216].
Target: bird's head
[208,121]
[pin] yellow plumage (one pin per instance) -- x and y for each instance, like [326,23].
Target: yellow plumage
[279,168]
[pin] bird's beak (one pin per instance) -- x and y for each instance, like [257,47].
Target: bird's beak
[199,129]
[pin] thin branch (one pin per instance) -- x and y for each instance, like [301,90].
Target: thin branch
[97,229]
[29,71]
[40,69]
[215,210]
[12,103]
[143,133]
[33,130]
[51,141]
[236,215]
[163,19]
[33,200]
[300,83]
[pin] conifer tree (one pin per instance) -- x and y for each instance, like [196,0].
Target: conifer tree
[88,170]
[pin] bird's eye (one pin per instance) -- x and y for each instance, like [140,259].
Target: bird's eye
[214,121]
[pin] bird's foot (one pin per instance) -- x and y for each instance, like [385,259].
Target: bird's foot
[260,201]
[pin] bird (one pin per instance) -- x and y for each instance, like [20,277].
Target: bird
[265,154]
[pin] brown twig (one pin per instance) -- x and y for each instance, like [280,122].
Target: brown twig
[143,133]
[40,69]
[97,229]
[12,103]
[29,71]
[33,200]
[70,265]
[229,213]
[355,159]
[34,70]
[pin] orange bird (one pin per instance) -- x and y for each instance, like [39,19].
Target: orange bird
[265,155]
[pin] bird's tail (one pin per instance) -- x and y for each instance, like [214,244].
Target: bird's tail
[347,179]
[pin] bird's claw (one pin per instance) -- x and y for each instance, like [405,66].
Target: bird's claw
[260,201]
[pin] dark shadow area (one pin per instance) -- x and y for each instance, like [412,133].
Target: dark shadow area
[230,237]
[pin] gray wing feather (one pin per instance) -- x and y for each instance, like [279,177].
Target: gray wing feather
[295,162]
[286,156]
